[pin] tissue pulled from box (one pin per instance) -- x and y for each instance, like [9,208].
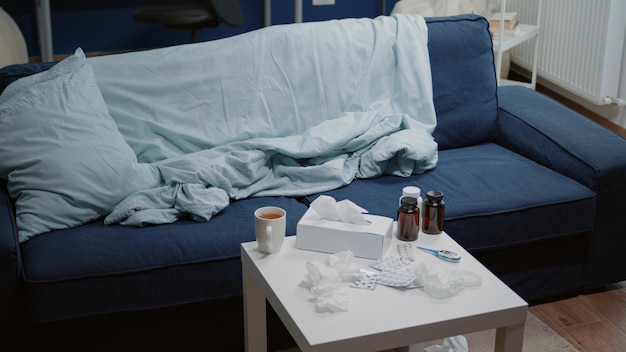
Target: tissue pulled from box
[343,263]
[450,344]
[321,280]
[328,208]
[441,283]
[324,281]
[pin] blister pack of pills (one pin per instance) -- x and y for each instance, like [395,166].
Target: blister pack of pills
[405,250]
[365,280]
[403,277]
[390,263]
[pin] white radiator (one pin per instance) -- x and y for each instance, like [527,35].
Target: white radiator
[581,45]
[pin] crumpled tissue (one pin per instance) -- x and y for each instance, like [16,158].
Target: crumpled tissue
[440,283]
[450,344]
[324,281]
[345,211]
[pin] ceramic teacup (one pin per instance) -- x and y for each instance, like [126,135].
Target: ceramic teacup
[269,228]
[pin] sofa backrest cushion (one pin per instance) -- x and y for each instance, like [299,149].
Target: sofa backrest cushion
[464,80]
[463,74]
[11,73]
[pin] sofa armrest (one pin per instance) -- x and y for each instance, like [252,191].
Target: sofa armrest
[10,270]
[557,137]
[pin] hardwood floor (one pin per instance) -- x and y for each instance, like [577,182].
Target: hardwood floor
[592,322]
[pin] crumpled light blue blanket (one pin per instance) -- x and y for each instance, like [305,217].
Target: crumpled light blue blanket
[286,110]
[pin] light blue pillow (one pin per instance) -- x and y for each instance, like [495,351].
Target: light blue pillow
[64,158]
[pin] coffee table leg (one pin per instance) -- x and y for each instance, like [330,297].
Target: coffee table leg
[418,347]
[510,338]
[255,328]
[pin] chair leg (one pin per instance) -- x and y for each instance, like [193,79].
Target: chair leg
[194,35]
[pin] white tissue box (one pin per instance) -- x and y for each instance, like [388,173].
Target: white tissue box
[366,241]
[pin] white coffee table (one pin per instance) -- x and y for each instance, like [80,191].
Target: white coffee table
[380,319]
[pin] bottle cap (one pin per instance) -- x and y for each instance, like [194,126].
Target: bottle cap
[408,202]
[434,196]
[411,191]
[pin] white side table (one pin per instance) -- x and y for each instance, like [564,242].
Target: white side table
[377,320]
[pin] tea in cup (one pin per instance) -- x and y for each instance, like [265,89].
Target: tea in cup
[269,228]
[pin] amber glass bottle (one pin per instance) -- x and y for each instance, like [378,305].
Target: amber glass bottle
[433,213]
[408,219]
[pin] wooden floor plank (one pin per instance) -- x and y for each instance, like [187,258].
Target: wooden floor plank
[594,322]
[598,336]
[544,316]
[611,304]
[571,312]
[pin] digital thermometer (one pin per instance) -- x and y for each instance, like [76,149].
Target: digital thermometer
[443,254]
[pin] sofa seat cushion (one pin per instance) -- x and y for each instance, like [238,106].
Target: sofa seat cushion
[96,269]
[488,187]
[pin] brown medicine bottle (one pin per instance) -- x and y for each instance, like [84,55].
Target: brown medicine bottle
[408,219]
[433,212]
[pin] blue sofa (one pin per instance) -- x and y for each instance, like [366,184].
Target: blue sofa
[533,189]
